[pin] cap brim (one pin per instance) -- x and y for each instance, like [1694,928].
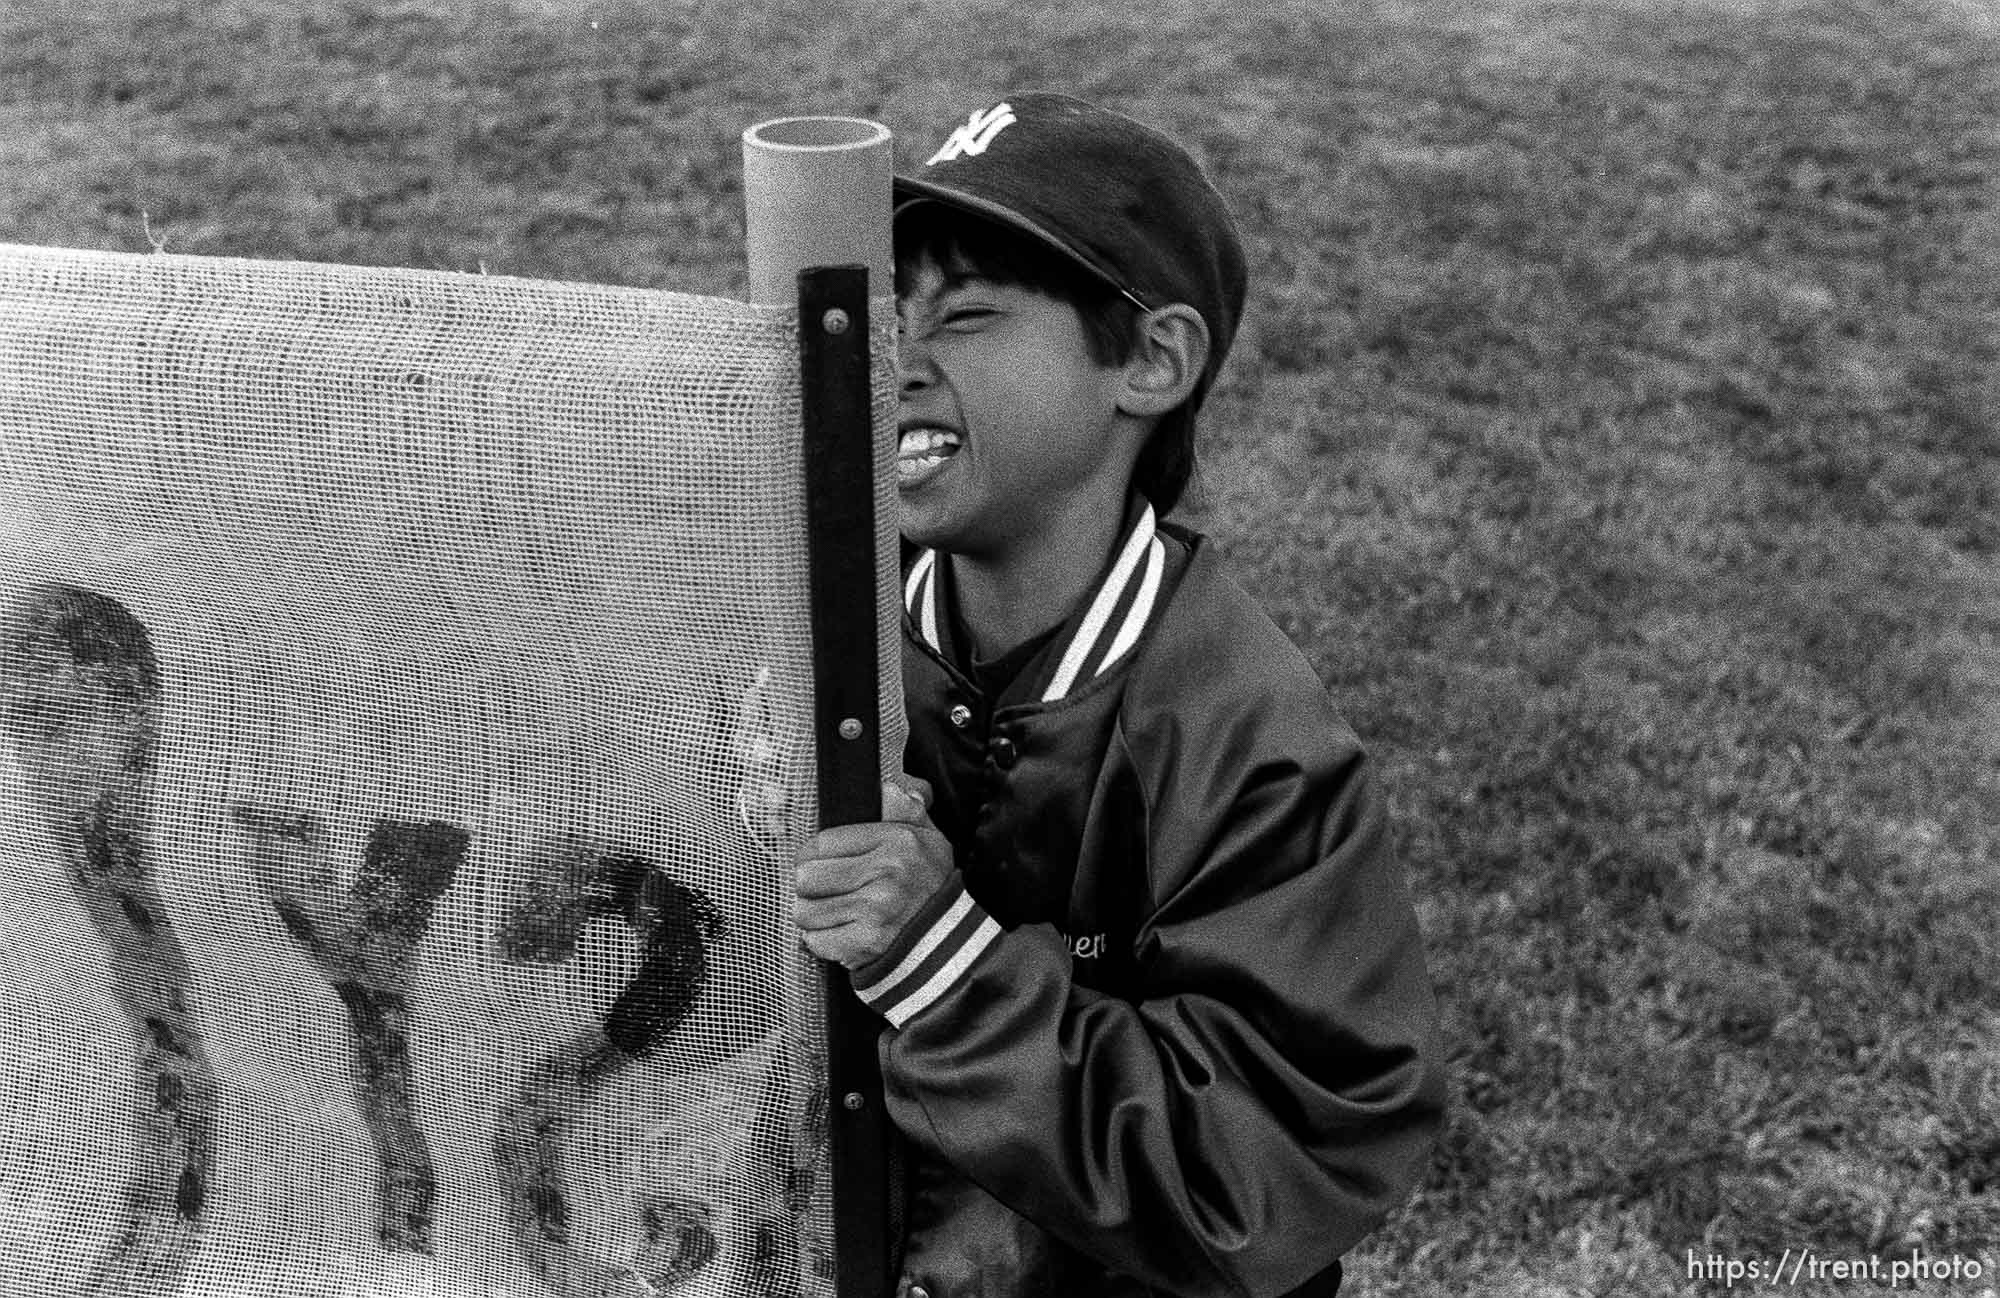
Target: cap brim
[909,193]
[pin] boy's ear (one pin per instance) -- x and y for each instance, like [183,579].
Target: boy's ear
[1167,362]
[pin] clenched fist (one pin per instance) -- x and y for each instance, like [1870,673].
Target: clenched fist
[858,885]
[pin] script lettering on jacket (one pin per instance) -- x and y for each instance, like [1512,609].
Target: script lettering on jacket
[1087,947]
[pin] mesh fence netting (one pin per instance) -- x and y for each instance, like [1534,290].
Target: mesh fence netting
[405,688]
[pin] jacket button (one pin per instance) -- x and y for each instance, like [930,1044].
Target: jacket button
[960,714]
[1004,754]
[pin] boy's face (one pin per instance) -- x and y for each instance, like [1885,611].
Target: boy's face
[1009,428]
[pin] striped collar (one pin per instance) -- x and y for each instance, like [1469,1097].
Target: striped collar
[1094,640]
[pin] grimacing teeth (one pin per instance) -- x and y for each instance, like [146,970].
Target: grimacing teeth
[919,441]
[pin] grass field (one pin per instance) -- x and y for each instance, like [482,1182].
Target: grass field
[1616,424]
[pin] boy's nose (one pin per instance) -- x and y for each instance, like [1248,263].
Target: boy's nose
[913,358]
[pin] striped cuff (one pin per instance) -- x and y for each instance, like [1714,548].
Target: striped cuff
[944,951]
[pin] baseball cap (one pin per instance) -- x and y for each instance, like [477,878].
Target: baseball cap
[1113,195]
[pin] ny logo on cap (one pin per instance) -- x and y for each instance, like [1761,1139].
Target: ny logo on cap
[973,137]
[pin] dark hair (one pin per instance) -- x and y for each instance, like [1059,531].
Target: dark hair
[935,234]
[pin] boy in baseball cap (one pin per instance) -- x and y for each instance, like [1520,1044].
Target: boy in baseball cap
[1156,1014]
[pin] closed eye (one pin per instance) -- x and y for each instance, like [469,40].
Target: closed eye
[963,318]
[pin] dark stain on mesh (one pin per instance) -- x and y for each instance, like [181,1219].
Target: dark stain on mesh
[79,700]
[295,920]
[136,914]
[679,1242]
[79,690]
[289,826]
[193,1189]
[365,941]
[768,1235]
[527,1146]
[677,925]
[163,1037]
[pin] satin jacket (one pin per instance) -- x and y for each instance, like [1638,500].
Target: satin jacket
[1170,1030]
